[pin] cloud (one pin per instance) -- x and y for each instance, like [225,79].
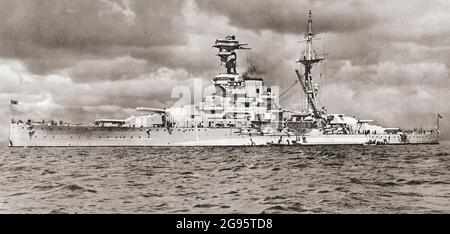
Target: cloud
[82,24]
[290,16]
[120,68]
[46,32]
[393,75]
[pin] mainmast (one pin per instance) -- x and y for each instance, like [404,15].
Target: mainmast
[227,52]
[309,58]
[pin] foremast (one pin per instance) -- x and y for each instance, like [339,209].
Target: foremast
[308,59]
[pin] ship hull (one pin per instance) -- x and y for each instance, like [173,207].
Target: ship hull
[368,139]
[66,136]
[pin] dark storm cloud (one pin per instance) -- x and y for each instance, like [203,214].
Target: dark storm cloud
[121,68]
[48,34]
[290,16]
[84,23]
[196,60]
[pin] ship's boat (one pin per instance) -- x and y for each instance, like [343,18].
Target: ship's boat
[242,111]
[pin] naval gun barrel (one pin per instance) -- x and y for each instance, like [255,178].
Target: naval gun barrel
[149,109]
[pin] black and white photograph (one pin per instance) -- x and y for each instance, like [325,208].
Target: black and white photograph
[254,107]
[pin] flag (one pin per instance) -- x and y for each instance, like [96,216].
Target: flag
[439,116]
[14,102]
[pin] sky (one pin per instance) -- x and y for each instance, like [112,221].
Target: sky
[86,59]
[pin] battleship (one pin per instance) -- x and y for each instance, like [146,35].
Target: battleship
[241,112]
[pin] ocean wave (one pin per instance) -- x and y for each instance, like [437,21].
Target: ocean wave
[343,179]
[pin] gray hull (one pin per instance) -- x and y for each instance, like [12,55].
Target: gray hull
[43,135]
[364,139]
[63,136]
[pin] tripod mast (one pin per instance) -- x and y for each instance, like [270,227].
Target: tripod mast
[309,58]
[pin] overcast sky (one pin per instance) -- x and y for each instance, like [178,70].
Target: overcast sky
[85,59]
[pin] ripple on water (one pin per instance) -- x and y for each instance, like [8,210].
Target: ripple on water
[363,179]
[77,188]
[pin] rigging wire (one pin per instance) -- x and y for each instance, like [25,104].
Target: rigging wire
[326,84]
[302,95]
[245,62]
[282,95]
[326,76]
